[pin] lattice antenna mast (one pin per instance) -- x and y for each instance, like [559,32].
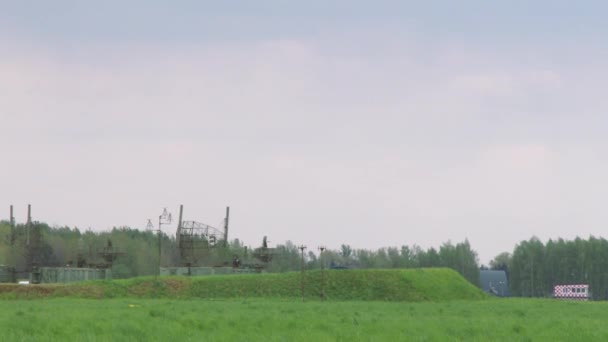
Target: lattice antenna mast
[150,226]
[164,218]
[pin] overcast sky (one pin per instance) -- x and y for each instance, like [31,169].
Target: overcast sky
[369,123]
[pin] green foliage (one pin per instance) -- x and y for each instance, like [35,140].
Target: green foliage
[534,268]
[501,261]
[65,246]
[386,285]
[459,257]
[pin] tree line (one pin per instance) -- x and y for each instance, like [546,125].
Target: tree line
[534,267]
[65,246]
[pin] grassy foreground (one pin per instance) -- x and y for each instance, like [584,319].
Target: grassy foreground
[69,319]
[409,285]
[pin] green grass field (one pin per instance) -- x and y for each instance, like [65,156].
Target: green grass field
[361,305]
[410,285]
[129,319]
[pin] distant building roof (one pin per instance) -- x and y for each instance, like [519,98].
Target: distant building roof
[494,282]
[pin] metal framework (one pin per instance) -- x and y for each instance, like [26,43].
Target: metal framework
[33,243]
[192,235]
[107,255]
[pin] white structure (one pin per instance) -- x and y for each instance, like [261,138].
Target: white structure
[575,291]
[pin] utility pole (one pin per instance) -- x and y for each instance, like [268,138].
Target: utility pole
[28,249]
[179,223]
[28,224]
[159,243]
[226,227]
[150,227]
[164,218]
[12,223]
[178,236]
[302,248]
[322,248]
[33,242]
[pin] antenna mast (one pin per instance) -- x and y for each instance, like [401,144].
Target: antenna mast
[226,226]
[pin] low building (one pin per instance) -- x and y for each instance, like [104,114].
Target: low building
[494,282]
[7,274]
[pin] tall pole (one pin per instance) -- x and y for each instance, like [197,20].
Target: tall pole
[322,248]
[150,227]
[165,218]
[302,248]
[12,223]
[226,226]
[159,239]
[179,223]
[29,224]
[178,238]
[29,260]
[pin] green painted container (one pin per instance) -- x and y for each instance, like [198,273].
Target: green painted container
[72,274]
[202,271]
[7,274]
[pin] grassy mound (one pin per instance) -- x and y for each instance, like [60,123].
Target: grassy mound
[386,285]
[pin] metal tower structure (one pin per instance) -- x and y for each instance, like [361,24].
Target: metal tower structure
[12,223]
[193,236]
[33,243]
